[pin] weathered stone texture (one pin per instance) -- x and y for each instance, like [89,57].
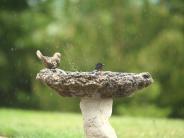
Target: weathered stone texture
[94,84]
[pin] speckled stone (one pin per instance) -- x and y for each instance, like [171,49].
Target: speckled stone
[102,84]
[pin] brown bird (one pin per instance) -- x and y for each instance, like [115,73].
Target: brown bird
[49,62]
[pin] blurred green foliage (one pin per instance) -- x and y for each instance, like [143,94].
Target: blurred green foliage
[126,35]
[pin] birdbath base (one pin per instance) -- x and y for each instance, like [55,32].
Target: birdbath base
[96,113]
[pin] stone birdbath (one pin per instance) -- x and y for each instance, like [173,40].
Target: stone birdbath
[96,91]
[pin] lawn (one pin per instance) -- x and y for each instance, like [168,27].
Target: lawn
[36,124]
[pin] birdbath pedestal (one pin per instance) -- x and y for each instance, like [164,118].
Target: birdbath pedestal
[97,91]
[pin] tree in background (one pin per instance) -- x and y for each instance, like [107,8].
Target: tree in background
[126,35]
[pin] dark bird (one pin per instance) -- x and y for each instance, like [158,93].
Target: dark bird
[49,62]
[99,67]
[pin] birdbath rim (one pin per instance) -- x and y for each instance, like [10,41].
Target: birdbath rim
[103,84]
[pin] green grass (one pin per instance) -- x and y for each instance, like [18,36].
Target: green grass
[35,124]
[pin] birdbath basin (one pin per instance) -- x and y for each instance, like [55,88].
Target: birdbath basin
[97,91]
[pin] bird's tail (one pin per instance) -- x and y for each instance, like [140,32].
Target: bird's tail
[39,54]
